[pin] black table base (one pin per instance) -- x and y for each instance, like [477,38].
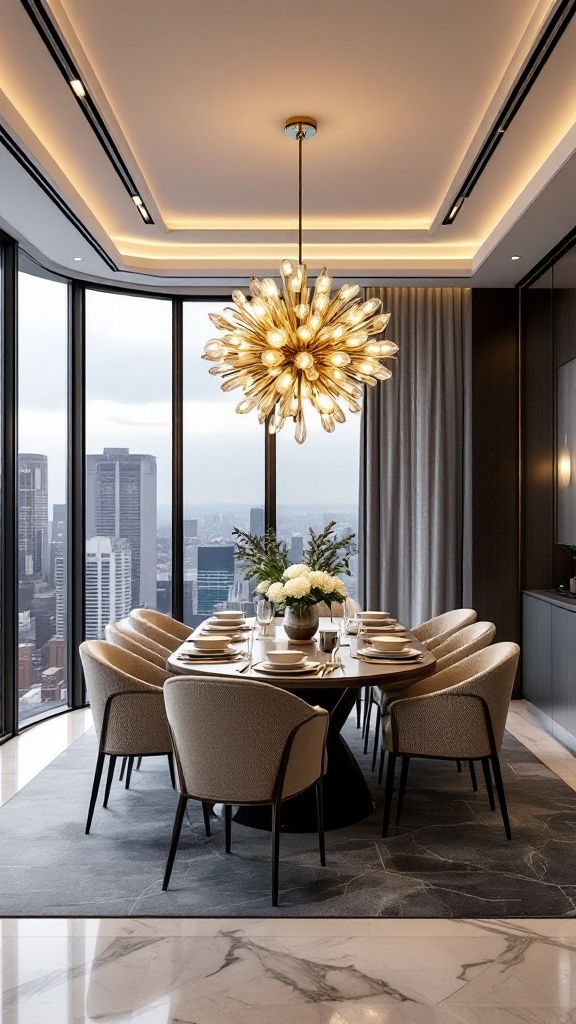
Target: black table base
[347,798]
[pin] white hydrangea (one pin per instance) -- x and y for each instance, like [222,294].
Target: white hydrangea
[295,570]
[297,587]
[276,593]
[263,586]
[322,581]
[339,586]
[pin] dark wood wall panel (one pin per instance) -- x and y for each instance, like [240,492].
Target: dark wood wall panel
[495,454]
[538,439]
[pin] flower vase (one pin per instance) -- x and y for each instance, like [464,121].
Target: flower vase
[301,624]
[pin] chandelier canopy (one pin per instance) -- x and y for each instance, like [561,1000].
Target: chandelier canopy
[283,347]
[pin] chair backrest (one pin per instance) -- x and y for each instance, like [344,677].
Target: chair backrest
[488,674]
[166,623]
[465,642]
[142,624]
[130,640]
[126,627]
[110,669]
[435,631]
[229,737]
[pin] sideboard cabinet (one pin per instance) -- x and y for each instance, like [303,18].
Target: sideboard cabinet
[549,661]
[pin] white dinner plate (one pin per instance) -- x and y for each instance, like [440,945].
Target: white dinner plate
[280,670]
[373,631]
[195,652]
[235,637]
[371,652]
[237,623]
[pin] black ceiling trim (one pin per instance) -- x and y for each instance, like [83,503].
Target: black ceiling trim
[547,261]
[63,60]
[553,30]
[9,143]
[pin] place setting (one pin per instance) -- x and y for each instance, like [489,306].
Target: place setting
[288,663]
[232,623]
[217,647]
[388,650]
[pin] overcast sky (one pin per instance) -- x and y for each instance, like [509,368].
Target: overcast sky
[129,404]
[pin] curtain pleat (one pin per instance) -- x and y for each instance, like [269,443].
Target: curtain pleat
[415,502]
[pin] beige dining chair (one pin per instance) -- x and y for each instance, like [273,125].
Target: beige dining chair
[244,742]
[436,631]
[127,702]
[152,625]
[458,715]
[124,636]
[460,645]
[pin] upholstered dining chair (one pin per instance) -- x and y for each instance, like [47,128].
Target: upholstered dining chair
[124,636]
[435,631]
[459,714]
[460,645]
[465,642]
[153,625]
[243,742]
[125,694]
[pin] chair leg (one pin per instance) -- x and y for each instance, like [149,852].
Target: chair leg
[111,766]
[138,763]
[381,765]
[123,767]
[367,723]
[178,819]
[367,700]
[459,766]
[473,776]
[95,787]
[376,735]
[129,771]
[206,808]
[358,712]
[501,796]
[228,826]
[320,814]
[403,779]
[488,780]
[276,813]
[171,770]
[388,792]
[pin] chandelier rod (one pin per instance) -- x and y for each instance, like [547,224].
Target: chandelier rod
[301,137]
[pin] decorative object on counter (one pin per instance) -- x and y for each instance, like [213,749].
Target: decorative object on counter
[285,348]
[571,550]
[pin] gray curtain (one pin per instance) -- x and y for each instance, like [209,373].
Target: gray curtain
[415,503]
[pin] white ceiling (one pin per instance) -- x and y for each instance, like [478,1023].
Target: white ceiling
[196,93]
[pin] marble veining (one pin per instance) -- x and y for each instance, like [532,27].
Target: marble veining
[285,971]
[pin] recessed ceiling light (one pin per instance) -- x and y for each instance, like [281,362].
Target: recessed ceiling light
[78,259]
[78,88]
[515,257]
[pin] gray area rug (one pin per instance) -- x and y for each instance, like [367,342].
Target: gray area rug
[448,858]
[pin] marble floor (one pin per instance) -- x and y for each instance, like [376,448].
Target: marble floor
[280,971]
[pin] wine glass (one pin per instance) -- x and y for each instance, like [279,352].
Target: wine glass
[264,611]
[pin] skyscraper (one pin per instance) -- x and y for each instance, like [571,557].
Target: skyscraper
[121,503]
[296,552]
[257,522]
[215,576]
[32,516]
[108,583]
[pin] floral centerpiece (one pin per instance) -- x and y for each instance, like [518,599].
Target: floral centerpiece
[297,588]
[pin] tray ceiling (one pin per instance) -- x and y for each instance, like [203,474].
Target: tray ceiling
[195,96]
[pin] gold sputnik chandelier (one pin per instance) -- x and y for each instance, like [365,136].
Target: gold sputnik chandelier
[285,347]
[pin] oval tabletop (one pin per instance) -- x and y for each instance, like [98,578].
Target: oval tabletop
[390,675]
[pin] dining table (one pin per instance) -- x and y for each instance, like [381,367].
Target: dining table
[347,798]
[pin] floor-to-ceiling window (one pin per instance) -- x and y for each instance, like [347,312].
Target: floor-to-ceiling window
[317,483]
[128,456]
[41,479]
[223,476]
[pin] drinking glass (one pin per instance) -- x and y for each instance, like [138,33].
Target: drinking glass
[264,611]
[351,621]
